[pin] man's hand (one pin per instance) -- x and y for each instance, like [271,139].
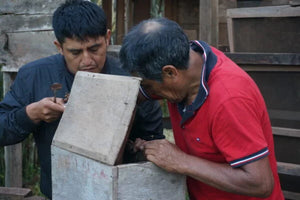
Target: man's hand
[164,154]
[45,110]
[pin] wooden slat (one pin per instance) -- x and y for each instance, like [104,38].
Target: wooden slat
[13,193]
[265,58]
[288,168]
[120,28]
[208,21]
[107,7]
[291,195]
[286,132]
[295,3]
[266,11]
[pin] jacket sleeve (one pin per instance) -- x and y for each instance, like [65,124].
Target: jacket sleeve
[15,125]
[148,123]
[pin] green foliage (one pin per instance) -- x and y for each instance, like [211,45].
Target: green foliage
[164,107]
[157,8]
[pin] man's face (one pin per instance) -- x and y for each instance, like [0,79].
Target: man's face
[171,88]
[88,55]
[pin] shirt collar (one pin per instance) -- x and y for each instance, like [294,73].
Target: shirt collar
[209,61]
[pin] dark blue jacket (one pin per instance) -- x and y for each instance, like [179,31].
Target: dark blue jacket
[32,84]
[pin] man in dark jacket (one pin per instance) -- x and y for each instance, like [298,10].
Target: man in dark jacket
[29,107]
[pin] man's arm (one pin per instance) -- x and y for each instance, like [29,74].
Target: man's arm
[253,179]
[19,116]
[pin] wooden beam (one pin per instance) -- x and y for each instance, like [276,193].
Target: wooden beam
[141,11]
[12,153]
[288,168]
[291,195]
[266,11]
[171,9]
[120,21]
[286,132]
[14,193]
[266,58]
[107,7]
[209,21]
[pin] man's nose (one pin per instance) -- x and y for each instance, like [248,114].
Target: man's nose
[86,59]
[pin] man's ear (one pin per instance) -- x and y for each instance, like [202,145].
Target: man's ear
[169,71]
[107,36]
[58,46]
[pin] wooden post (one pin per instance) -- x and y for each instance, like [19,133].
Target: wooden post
[13,153]
[208,21]
[120,16]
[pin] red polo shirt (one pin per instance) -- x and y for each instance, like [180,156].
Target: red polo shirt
[231,126]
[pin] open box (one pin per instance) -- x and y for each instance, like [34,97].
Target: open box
[90,139]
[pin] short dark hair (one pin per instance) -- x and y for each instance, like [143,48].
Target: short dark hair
[79,19]
[152,44]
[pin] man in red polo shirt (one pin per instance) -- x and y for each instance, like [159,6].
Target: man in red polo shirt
[223,135]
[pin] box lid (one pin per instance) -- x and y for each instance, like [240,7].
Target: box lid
[97,115]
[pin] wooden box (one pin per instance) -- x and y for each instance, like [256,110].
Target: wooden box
[77,177]
[88,144]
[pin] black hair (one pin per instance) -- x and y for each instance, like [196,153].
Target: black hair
[152,44]
[79,19]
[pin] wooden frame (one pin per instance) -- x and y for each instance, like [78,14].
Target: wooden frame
[257,12]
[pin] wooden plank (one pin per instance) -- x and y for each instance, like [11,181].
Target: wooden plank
[120,21]
[17,23]
[288,168]
[12,153]
[286,132]
[294,2]
[171,9]
[107,7]
[93,179]
[21,51]
[291,195]
[141,11]
[13,165]
[208,21]
[266,11]
[284,114]
[128,19]
[152,182]
[265,58]
[29,7]
[14,193]
[230,34]
[270,68]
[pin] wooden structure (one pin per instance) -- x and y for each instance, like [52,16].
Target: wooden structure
[278,29]
[24,27]
[278,77]
[89,141]
[272,58]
